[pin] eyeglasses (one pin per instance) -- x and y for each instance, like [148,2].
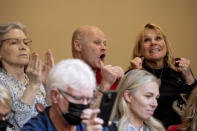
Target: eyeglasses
[3,115]
[14,41]
[78,99]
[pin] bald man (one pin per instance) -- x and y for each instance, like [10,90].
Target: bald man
[89,44]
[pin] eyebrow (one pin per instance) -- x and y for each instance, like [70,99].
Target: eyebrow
[153,94]
[4,114]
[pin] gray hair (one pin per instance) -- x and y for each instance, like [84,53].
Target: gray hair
[132,81]
[5,97]
[5,28]
[73,73]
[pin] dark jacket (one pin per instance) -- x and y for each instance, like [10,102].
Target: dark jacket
[172,85]
[42,122]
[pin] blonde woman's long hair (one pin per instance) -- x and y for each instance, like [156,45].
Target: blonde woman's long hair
[132,81]
[168,59]
[190,116]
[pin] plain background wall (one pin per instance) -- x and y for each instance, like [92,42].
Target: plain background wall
[50,24]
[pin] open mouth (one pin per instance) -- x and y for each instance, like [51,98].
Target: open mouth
[155,50]
[102,57]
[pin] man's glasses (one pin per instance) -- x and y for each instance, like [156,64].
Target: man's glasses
[78,99]
[14,41]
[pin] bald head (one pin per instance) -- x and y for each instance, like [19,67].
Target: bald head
[87,39]
[82,33]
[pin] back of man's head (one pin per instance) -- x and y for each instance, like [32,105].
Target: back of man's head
[72,73]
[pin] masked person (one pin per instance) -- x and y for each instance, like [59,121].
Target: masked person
[70,87]
[5,107]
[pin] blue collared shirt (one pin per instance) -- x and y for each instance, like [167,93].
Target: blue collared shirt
[130,127]
[42,122]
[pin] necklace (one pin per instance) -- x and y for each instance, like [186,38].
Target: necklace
[157,72]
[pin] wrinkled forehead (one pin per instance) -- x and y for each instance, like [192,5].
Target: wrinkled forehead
[14,33]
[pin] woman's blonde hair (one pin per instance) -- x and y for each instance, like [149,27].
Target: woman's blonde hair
[132,81]
[190,116]
[168,59]
[5,97]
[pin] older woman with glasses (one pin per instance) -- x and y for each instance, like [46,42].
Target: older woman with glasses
[20,73]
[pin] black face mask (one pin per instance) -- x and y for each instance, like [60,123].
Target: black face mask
[74,113]
[4,125]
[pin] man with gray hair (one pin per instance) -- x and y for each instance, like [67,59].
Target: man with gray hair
[70,88]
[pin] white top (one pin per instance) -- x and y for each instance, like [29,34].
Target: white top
[21,112]
[132,128]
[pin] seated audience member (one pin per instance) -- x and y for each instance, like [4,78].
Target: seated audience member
[190,115]
[70,91]
[5,108]
[152,52]
[136,102]
[89,44]
[20,73]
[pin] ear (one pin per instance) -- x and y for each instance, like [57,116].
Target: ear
[127,96]
[77,45]
[54,96]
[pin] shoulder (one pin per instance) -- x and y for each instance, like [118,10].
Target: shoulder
[81,127]
[171,74]
[3,73]
[3,76]
[41,122]
[173,128]
[168,69]
[112,127]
